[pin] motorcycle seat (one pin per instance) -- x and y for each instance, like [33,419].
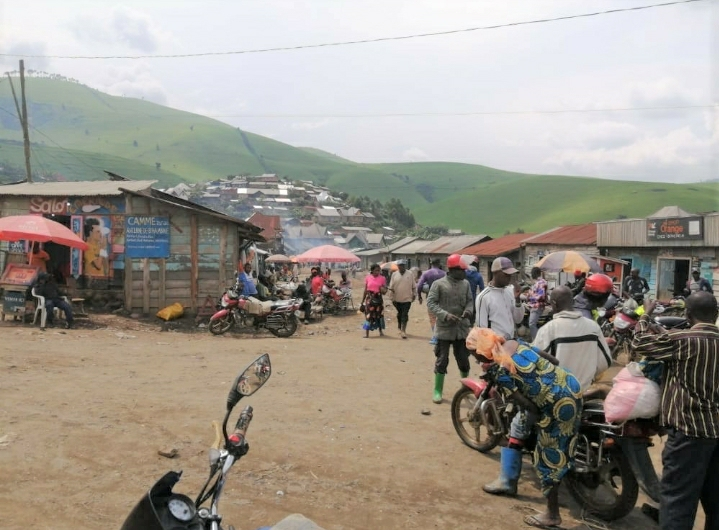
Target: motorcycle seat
[672,322]
[597,392]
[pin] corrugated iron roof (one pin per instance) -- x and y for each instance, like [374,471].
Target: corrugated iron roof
[670,211]
[76,189]
[270,224]
[496,247]
[451,244]
[411,248]
[566,235]
[402,242]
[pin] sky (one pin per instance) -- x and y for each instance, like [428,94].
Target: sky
[483,97]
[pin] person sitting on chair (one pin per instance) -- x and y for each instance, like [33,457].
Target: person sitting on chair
[47,287]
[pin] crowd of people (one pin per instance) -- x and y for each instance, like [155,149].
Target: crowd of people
[546,375]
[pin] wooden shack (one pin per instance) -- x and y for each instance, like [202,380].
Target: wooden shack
[148,249]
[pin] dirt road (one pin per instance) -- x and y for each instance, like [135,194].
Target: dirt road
[338,432]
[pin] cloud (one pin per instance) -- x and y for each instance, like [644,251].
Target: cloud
[309,125]
[414,154]
[680,148]
[136,81]
[665,92]
[134,29]
[26,49]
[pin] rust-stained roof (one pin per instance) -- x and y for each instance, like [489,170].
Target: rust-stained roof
[90,188]
[410,248]
[566,235]
[451,244]
[270,224]
[496,247]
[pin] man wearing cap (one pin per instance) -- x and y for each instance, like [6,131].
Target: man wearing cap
[428,278]
[498,306]
[635,285]
[696,284]
[401,292]
[450,300]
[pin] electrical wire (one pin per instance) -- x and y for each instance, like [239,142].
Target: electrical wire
[361,41]
[478,113]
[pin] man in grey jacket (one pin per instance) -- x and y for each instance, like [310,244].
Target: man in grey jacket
[450,300]
[498,306]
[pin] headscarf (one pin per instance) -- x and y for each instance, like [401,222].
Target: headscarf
[490,345]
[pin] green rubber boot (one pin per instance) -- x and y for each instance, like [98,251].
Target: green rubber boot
[463,374]
[438,385]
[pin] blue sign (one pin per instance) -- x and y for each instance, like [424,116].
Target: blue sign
[147,236]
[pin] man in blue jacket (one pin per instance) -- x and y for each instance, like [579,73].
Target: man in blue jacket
[476,282]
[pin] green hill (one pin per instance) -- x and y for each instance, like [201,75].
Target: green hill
[77,132]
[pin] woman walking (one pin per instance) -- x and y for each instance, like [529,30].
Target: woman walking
[549,394]
[375,285]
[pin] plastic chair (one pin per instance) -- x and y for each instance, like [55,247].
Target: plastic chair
[41,310]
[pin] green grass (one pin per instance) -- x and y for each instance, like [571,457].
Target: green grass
[78,131]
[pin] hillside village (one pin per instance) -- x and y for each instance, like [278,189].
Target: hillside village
[294,216]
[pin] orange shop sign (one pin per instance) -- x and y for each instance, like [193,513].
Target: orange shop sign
[48,205]
[675,228]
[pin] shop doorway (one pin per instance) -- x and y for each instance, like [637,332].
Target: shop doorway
[672,277]
[59,264]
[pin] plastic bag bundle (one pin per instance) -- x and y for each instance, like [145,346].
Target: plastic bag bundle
[632,396]
[171,312]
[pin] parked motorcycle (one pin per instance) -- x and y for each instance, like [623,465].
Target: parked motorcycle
[234,309]
[611,461]
[335,299]
[162,509]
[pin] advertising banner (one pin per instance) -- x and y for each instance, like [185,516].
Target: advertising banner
[673,229]
[147,236]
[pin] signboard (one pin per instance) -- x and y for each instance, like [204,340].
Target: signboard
[48,205]
[13,302]
[147,236]
[17,274]
[675,229]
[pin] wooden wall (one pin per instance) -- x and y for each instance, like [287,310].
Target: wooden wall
[202,262]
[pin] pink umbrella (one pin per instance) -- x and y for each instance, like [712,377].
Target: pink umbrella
[38,228]
[327,254]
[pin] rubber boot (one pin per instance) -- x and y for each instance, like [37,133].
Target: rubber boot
[403,330]
[438,386]
[510,467]
[463,374]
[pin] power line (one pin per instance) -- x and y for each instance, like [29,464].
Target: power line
[361,41]
[478,113]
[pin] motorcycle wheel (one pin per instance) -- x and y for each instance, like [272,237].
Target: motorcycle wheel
[288,328]
[221,325]
[472,432]
[609,493]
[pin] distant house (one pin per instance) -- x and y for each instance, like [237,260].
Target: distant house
[509,246]
[444,246]
[271,230]
[375,240]
[327,216]
[352,216]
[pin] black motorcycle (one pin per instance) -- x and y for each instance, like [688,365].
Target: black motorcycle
[162,509]
[611,462]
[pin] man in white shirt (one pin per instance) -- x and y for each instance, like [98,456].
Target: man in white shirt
[401,289]
[498,306]
[576,341]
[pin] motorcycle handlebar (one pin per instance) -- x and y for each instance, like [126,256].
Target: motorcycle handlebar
[237,438]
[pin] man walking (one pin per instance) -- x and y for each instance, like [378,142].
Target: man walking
[498,306]
[578,344]
[401,288]
[537,300]
[450,300]
[428,278]
[635,285]
[689,411]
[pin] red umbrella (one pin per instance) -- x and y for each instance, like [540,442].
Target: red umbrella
[38,228]
[327,254]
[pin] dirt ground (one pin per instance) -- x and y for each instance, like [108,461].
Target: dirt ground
[338,431]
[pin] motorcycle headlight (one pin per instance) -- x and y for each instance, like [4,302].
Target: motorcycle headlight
[620,323]
[224,302]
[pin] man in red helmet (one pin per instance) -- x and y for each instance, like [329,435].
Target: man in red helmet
[450,300]
[596,291]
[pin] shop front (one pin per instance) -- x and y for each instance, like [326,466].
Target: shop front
[145,248]
[665,247]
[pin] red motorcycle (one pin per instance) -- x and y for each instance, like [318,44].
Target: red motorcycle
[235,309]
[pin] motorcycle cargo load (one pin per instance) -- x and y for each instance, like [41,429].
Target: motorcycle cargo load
[257,307]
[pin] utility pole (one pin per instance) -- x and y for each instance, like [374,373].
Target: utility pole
[22,115]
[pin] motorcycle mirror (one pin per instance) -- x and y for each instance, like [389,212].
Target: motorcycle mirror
[250,380]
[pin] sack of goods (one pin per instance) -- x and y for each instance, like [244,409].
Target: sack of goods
[257,307]
[632,396]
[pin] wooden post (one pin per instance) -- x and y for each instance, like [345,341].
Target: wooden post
[146,285]
[163,300]
[128,261]
[223,256]
[25,132]
[194,264]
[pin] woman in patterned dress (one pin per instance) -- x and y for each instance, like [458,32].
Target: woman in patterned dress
[533,380]
[375,287]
